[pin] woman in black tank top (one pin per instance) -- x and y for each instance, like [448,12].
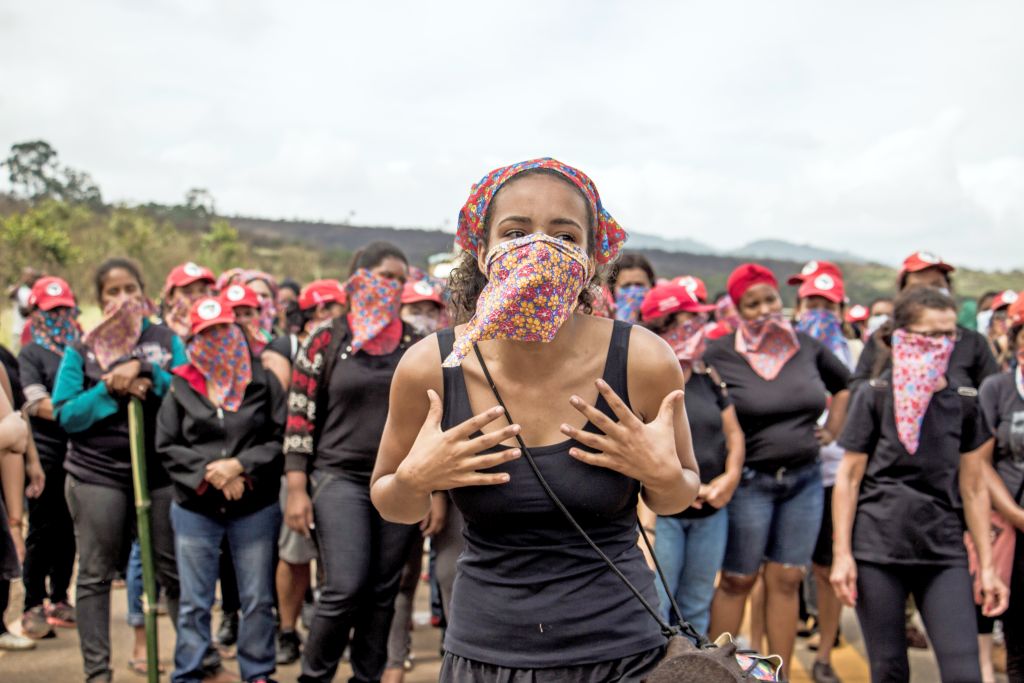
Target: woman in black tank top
[531,599]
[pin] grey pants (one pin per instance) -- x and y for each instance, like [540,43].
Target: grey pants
[104,519]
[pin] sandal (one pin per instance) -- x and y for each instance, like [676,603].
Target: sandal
[140,668]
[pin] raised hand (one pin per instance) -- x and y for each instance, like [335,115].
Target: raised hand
[441,460]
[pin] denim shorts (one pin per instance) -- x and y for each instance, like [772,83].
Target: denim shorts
[774,517]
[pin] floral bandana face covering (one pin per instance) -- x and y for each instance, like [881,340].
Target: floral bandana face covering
[1019,373]
[919,364]
[221,355]
[824,326]
[767,344]
[177,316]
[56,328]
[627,302]
[533,285]
[687,340]
[119,331]
[374,303]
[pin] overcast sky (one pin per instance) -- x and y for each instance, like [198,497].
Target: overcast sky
[877,127]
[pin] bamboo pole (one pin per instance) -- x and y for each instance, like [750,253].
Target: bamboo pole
[137,436]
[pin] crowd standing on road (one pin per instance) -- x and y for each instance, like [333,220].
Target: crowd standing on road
[530,416]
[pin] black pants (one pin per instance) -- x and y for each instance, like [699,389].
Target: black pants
[945,600]
[362,557]
[1013,618]
[104,521]
[50,544]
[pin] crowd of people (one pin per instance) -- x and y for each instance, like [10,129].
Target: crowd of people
[537,414]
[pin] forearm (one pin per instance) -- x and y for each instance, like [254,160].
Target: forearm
[1002,501]
[977,511]
[844,510]
[673,495]
[837,413]
[12,476]
[399,502]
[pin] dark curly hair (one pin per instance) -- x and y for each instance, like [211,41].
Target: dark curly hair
[466,281]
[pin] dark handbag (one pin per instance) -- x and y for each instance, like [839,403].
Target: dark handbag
[689,656]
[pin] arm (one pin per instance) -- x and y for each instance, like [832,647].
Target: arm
[78,408]
[184,464]
[13,435]
[837,415]
[719,491]
[162,377]
[844,510]
[977,513]
[277,365]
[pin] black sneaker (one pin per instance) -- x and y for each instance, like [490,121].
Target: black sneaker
[823,673]
[227,634]
[288,648]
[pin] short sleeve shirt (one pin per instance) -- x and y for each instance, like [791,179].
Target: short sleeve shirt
[705,400]
[1002,408]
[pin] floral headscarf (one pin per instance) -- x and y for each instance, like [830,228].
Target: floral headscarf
[533,285]
[117,334]
[825,326]
[374,303]
[268,305]
[56,328]
[608,235]
[767,344]
[221,355]
[919,364]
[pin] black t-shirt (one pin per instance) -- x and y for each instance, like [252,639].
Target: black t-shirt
[38,366]
[705,400]
[909,511]
[1002,409]
[10,364]
[286,345]
[970,364]
[779,417]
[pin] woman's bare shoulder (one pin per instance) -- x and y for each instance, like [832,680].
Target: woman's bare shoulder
[420,367]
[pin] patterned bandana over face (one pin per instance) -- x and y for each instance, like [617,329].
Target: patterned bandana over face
[221,355]
[687,340]
[177,316]
[824,326]
[119,331]
[608,235]
[374,303]
[725,312]
[628,300]
[767,344]
[533,285]
[919,364]
[55,329]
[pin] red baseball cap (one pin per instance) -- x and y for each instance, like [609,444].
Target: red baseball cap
[186,274]
[823,284]
[670,298]
[812,268]
[1016,313]
[920,260]
[240,295]
[694,285]
[746,276]
[209,311]
[421,290]
[51,292]
[1004,299]
[857,313]
[322,292]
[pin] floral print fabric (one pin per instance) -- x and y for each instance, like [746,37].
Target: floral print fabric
[687,340]
[55,329]
[628,301]
[767,344]
[919,364]
[825,326]
[374,303]
[221,354]
[1019,373]
[116,335]
[608,234]
[533,285]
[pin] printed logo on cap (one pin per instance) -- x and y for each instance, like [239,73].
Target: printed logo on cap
[1009,296]
[235,293]
[928,257]
[667,303]
[858,311]
[54,289]
[809,268]
[192,270]
[208,310]
[689,284]
[423,288]
[824,282]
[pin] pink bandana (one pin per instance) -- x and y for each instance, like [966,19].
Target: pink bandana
[374,303]
[602,302]
[221,354]
[118,333]
[687,340]
[177,317]
[918,366]
[533,285]
[767,344]
[1019,372]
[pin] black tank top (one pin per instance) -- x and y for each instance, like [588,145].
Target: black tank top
[529,592]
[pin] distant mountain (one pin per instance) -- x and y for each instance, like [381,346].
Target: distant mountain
[788,251]
[638,240]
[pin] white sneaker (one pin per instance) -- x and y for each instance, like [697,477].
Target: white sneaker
[10,641]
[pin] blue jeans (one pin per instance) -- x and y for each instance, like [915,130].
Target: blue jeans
[252,540]
[133,584]
[774,517]
[690,552]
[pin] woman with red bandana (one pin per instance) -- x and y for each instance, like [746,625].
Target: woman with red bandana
[532,601]
[185,285]
[690,545]
[336,411]
[913,439]
[779,379]
[219,433]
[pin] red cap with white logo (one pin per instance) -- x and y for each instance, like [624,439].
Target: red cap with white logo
[922,260]
[208,312]
[1005,299]
[857,313]
[240,295]
[670,298]
[49,293]
[823,284]
[421,290]
[812,268]
[186,274]
[322,292]
[694,285]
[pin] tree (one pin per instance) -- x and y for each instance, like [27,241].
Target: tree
[35,174]
[200,200]
[39,237]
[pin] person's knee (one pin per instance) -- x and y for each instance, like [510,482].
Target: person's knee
[736,584]
[783,578]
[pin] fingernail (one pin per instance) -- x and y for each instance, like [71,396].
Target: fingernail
[515,429]
[575,400]
[505,477]
[516,453]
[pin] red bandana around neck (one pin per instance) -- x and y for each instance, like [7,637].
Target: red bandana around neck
[119,331]
[221,355]
[767,344]
[374,303]
[919,364]
[687,340]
